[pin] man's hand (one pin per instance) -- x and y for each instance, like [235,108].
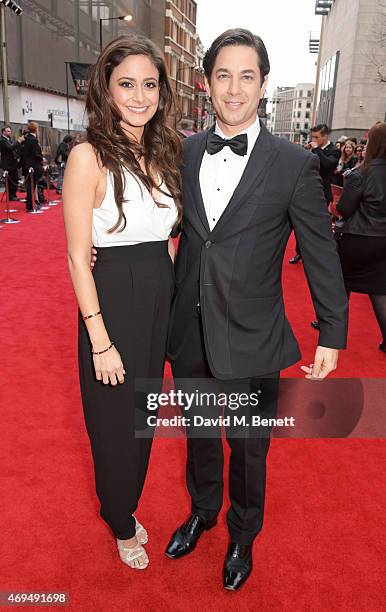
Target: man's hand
[325,361]
[314,145]
[93,257]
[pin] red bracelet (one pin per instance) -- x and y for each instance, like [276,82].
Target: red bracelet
[104,351]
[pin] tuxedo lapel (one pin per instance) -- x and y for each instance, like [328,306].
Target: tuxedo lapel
[261,157]
[193,175]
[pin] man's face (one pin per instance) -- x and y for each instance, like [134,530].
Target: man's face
[235,88]
[8,132]
[319,139]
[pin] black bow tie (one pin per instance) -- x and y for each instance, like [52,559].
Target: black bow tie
[238,144]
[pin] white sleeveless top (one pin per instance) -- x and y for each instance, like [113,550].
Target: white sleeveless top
[145,221]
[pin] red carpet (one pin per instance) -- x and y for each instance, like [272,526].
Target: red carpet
[323,544]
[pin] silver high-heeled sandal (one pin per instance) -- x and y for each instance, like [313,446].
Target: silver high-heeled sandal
[128,555]
[141,533]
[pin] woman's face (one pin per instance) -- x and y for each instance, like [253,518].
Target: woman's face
[134,87]
[349,149]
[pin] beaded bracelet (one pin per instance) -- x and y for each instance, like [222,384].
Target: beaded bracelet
[104,351]
[95,314]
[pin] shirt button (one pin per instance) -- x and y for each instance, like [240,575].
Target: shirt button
[218,188]
[208,244]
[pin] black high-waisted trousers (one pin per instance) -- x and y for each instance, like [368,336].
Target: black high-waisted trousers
[135,285]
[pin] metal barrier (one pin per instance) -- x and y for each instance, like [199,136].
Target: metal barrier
[8,219]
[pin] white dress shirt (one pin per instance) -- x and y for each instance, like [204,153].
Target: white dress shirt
[221,172]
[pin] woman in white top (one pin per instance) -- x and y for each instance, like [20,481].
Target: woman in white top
[122,194]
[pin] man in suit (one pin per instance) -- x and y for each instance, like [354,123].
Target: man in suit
[10,151]
[32,158]
[329,156]
[243,192]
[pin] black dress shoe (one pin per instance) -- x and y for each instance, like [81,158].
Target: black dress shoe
[295,259]
[315,324]
[185,538]
[237,565]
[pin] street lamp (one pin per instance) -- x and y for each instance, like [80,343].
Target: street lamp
[13,6]
[122,18]
[3,44]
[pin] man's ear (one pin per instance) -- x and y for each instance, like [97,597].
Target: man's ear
[263,87]
[207,86]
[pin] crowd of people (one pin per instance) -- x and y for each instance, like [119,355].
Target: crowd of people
[23,159]
[358,214]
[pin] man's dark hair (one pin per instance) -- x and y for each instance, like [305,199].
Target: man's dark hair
[322,128]
[237,36]
[5,127]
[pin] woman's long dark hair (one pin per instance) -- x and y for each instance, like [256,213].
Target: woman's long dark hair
[376,145]
[160,146]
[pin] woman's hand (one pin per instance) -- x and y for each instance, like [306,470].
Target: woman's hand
[109,367]
[94,257]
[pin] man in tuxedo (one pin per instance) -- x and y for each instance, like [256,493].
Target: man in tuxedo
[329,156]
[10,151]
[243,192]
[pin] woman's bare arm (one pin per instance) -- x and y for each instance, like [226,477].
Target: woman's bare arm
[81,183]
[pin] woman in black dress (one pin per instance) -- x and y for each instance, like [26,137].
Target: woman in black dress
[121,193]
[362,239]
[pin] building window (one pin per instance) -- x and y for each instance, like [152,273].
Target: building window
[299,104]
[301,93]
[299,114]
[309,94]
[298,126]
[326,94]
[308,104]
[84,6]
[307,115]
[174,67]
[306,126]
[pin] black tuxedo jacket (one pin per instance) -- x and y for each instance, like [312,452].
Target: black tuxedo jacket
[234,271]
[329,160]
[9,151]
